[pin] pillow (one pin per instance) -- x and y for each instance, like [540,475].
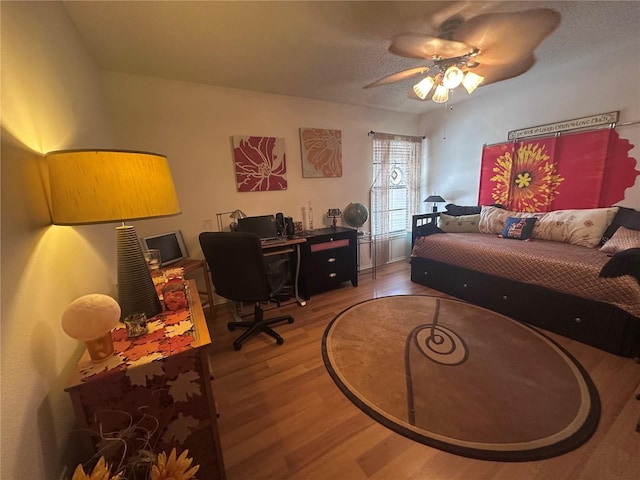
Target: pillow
[457,210]
[623,239]
[493,219]
[459,224]
[625,217]
[579,227]
[626,262]
[519,228]
[428,229]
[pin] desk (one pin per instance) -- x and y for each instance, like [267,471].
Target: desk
[287,247]
[163,374]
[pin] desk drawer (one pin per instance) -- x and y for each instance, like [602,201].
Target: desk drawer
[318,247]
[330,268]
[332,263]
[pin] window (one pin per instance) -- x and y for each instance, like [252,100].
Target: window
[396,186]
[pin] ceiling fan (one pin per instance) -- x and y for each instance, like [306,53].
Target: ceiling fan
[484,49]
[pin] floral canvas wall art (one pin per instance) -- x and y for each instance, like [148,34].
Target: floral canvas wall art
[581,170]
[260,163]
[321,152]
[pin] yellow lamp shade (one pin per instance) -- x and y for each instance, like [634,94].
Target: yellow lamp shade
[101,186]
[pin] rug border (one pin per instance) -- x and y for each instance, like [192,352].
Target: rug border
[575,440]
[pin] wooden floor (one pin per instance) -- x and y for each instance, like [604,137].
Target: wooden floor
[282,416]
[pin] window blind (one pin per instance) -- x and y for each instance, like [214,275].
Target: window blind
[395,189]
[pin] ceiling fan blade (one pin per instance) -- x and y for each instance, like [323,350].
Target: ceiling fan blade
[461,9]
[497,73]
[398,76]
[425,46]
[504,38]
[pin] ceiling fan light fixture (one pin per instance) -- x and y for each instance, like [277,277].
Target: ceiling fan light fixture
[471,81]
[423,87]
[452,77]
[441,94]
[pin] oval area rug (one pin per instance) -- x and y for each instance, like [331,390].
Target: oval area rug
[461,378]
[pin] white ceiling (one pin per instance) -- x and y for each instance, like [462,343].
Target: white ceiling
[316,49]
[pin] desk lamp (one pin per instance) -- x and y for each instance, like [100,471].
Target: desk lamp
[105,186]
[435,199]
[234,215]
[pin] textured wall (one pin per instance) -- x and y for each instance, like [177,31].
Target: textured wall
[51,100]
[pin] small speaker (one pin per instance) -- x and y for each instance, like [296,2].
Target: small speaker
[280,223]
[288,226]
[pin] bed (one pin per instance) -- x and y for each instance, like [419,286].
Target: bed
[551,284]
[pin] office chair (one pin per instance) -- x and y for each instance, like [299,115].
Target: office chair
[239,272]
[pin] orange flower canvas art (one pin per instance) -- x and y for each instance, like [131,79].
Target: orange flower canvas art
[321,152]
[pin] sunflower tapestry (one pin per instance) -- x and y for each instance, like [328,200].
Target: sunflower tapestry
[321,152]
[260,163]
[581,170]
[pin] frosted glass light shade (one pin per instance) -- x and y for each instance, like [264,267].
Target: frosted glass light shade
[471,81]
[90,316]
[452,77]
[423,87]
[441,94]
[103,186]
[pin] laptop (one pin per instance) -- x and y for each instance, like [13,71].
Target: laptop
[262,225]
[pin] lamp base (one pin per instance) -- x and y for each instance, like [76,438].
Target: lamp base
[136,292]
[100,348]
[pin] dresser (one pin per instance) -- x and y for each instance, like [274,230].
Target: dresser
[329,258]
[154,391]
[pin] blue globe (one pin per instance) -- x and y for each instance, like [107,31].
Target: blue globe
[355,214]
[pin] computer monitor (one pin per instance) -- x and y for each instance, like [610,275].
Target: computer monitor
[262,225]
[170,244]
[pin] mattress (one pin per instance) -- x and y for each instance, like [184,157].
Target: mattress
[559,266]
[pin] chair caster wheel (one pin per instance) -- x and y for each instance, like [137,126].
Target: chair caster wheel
[231,328]
[237,346]
[279,341]
[290,320]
